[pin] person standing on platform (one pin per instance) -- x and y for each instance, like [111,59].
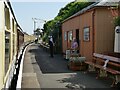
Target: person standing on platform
[51,43]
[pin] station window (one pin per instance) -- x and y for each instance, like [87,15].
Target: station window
[13,25]
[86,34]
[65,36]
[13,45]
[14,28]
[70,36]
[7,18]
[7,50]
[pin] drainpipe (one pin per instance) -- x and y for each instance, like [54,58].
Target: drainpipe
[93,33]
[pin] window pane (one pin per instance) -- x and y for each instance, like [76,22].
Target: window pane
[7,50]
[65,36]
[70,35]
[13,25]
[7,18]
[86,34]
[13,45]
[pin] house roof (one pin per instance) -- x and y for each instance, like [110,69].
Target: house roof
[96,4]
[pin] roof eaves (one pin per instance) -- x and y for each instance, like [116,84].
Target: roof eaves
[81,11]
[96,4]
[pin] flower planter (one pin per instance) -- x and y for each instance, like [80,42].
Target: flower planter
[77,63]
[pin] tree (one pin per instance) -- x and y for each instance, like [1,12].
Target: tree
[53,27]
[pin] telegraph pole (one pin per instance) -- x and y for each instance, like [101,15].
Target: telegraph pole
[35,25]
[37,19]
[34,22]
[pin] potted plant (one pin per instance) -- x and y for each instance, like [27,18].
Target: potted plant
[117,21]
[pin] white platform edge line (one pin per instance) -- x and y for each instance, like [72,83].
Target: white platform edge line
[20,71]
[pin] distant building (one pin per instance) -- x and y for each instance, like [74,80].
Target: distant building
[29,38]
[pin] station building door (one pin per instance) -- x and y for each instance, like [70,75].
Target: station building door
[77,38]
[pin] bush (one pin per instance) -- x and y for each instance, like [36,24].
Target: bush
[117,21]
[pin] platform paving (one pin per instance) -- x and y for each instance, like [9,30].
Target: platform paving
[29,77]
[41,71]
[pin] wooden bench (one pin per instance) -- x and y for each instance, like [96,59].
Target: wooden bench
[106,66]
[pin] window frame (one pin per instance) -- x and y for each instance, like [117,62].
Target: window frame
[65,36]
[70,35]
[7,61]
[7,18]
[86,33]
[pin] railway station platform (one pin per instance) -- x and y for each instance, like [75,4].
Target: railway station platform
[41,71]
[29,77]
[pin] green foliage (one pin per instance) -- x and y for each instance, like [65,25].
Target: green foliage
[117,21]
[71,9]
[53,27]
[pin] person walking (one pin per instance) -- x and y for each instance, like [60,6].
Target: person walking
[51,43]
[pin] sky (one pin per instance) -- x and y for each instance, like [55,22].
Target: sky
[25,11]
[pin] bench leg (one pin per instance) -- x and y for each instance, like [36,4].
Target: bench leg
[101,73]
[115,80]
[90,68]
[98,73]
[113,83]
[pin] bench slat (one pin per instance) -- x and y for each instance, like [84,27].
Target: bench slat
[101,67]
[114,59]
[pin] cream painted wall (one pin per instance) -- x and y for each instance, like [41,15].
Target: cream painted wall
[28,38]
[2,46]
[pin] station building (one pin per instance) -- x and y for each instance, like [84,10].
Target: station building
[93,27]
